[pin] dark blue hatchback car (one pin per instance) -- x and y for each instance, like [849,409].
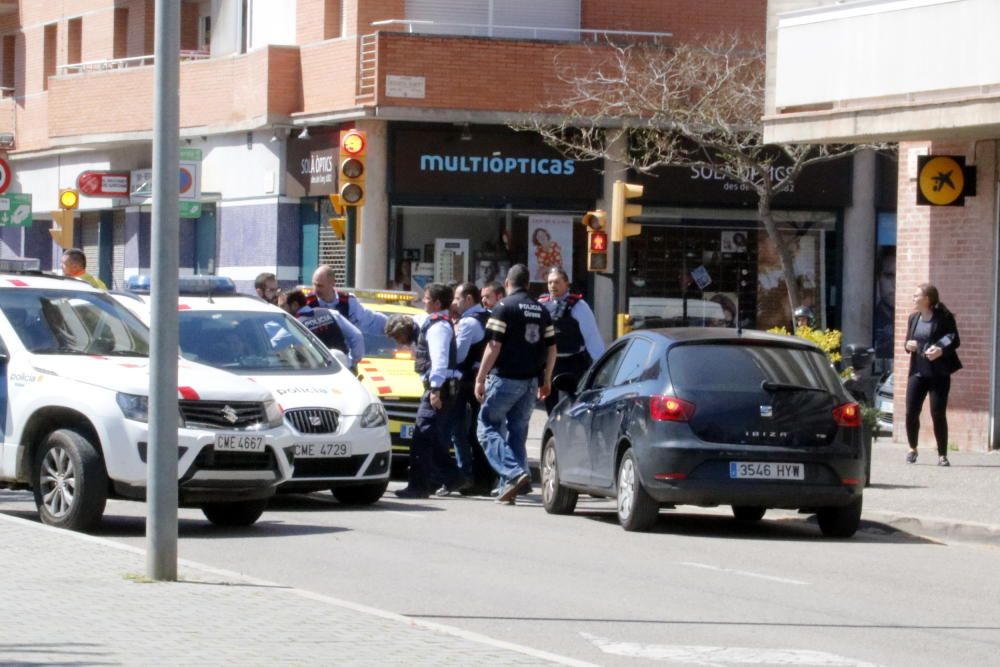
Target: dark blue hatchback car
[708,416]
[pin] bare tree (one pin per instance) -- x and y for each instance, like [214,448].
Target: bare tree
[689,105]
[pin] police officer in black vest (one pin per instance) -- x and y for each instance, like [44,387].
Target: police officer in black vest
[329,326]
[470,339]
[578,341]
[435,359]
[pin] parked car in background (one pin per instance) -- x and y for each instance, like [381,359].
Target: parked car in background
[340,432]
[883,402]
[708,416]
[74,410]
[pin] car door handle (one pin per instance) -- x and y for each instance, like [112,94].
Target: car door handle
[620,406]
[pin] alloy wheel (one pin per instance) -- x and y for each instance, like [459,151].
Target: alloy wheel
[550,475]
[626,488]
[58,482]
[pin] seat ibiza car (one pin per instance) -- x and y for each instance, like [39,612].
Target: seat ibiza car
[708,417]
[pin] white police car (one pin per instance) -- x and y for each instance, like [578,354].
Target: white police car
[74,387]
[341,430]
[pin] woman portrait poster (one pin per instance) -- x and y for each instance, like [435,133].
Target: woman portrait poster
[550,243]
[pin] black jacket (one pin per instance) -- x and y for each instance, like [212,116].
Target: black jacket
[944,334]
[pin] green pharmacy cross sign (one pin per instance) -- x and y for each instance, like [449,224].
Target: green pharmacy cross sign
[15,210]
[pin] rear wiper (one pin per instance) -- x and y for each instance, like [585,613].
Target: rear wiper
[766,385]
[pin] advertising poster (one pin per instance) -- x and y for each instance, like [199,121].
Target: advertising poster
[773,309]
[550,243]
[451,257]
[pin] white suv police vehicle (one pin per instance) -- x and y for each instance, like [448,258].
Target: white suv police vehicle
[74,387]
[340,430]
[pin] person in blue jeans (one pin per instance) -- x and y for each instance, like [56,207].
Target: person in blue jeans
[521,350]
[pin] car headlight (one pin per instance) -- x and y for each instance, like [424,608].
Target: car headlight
[373,416]
[273,414]
[133,406]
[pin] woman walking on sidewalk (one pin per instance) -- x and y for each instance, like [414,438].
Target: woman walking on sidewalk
[931,340]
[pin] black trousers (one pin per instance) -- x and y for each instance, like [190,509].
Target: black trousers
[466,413]
[430,462]
[917,389]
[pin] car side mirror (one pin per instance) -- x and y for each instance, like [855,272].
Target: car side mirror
[566,382]
[342,358]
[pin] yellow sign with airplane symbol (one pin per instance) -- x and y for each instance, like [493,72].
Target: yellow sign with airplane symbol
[942,180]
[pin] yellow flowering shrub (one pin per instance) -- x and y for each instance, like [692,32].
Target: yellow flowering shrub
[828,340]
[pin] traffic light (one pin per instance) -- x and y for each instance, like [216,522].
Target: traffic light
[595,220]
[69,200]
[338,223]
[597,250]
[620,211]
[351,169]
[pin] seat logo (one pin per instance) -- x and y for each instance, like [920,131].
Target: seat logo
[314,420]
[230,415]
[767,411]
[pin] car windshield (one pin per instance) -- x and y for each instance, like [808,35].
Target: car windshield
[251,341]
[749,367]
[52,321]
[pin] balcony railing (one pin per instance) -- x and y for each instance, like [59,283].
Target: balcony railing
[123,63]
[516,31]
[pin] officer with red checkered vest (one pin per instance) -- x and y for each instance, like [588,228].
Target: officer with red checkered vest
[578,341]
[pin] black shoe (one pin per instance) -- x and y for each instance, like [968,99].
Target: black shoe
[411,494]
[911,456]
[510,489]
[526,489]
[943,462]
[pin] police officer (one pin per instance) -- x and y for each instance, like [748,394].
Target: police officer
[266,286]
[330,327]
[435,359]
[326,295]
[521,350]
[578,341]
[470,340]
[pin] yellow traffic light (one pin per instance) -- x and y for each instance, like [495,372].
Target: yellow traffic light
[62,230]
[69,199]
[597,251]
[595,220]
[620,211]
[337,203]
[339,226]
[351,167]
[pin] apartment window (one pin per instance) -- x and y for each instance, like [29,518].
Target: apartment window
[9,54]
[75,44]
[49,56]
[120,45]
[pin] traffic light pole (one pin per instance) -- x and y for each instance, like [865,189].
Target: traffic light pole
[161,485]
[351,241]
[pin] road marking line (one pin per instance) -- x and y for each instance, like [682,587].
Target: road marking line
[326,599]
[720,655]
[744,573]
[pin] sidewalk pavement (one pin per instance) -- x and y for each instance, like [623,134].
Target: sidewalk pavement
[72,599]
[961,502]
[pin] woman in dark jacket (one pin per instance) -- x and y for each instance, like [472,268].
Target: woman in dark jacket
[931,340]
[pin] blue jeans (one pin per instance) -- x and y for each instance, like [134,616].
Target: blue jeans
[508,404]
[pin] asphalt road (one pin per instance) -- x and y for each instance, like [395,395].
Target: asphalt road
[701,589]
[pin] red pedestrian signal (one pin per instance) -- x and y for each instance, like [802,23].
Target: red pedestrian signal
[597,251]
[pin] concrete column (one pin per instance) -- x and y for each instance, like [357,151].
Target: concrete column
[373,251]
[603,301]
[856,302]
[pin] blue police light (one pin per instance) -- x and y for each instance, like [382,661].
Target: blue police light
[188,285]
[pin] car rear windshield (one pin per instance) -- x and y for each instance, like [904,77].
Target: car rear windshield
[727,367]
[50,321]
[250,341]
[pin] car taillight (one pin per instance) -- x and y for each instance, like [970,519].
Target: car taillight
[848,414]
[670,409]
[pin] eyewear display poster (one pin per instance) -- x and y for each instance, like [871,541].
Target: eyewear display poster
[550,244]
[451,260]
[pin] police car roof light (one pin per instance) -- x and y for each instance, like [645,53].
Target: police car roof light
[20,264]
[188,285]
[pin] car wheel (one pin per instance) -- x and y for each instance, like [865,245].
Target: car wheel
[237,514]
[364,494]
[556,497]
[748,512]
[69,480]
[636,509]
[840,521]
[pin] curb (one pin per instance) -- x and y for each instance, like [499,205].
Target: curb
[937,527]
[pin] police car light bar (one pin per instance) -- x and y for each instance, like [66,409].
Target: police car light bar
[187,285]
[23,264]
